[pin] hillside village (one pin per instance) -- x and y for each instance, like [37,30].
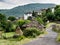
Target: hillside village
[40,12]
[30,25]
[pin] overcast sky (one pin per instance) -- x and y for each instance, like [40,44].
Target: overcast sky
[7,4]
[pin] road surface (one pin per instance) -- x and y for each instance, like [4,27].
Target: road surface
[49,39]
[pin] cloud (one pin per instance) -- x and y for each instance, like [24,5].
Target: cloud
[1,0]
[12,3]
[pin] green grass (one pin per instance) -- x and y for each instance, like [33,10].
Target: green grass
[10,34]
[12,41]
[8,42]
[58,37]
[49,24]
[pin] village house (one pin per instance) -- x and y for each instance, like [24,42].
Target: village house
[52,9]
[29,14]
[26,15]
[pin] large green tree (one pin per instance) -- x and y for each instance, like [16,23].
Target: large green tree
[34,14]
[2,17]
[11,18]
[57,14]
[50,16]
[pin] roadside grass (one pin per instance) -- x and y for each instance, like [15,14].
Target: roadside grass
[49,24]
[58,37]
[12,41]
[8,34]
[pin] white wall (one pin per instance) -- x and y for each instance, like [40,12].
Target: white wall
[26,16]
[53,10]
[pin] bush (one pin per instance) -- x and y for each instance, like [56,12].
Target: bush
[21,37]
[18,38]
[11,18]
[22,22]
[40,20]
[32,32]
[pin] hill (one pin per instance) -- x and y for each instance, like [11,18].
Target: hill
[20,10]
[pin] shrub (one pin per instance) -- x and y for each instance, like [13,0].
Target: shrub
[11,18]
[18,38]
[21,37]
[15,36]
[39,19]
[22,22]
[32,32]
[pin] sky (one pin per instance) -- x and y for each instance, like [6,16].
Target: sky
[8,4]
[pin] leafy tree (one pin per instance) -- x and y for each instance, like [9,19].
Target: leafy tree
[50,16]
[48,10]
[11,18]
[8,26]
[57,14]
[40,20]
[57,6]
[2,18]
[22,22]
[34,14]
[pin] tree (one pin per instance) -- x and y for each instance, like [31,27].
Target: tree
[57,14]
[57,6]
[40,20]
[34,14]
[22,22]
[8,26]
[50,16]
[11,18]
[48,10]
[2,18]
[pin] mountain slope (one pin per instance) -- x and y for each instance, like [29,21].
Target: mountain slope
[20,10]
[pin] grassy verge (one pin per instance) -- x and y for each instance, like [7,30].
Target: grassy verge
[58,37]
[57,31]
[11,41]
[10,34]
[49,24]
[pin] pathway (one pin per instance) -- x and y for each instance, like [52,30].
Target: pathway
[48,39]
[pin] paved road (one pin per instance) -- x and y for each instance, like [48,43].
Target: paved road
[48,39]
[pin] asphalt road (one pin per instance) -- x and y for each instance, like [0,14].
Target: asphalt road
[49,39]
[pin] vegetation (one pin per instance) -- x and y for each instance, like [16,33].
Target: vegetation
[40,20]
[57,14]
[32,32]
[34,14]
[50,16]
[2,17]
[56,28]
[22,22]
[10,25]
[58,37]
[11,18]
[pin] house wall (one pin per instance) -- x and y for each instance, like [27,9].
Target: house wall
[26,16]
[39,13]
[52,10]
